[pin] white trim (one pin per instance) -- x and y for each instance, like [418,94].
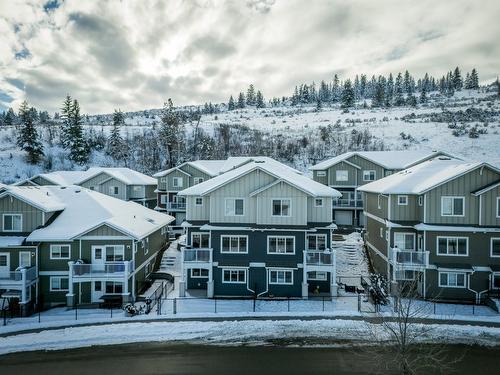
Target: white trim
[60,278]
[377,251]
[235,236]
[320,173]
[316,202]
[405,200]
[453,197]
[200,276]
[482,191]
[281,237]
[374,217]
[29,257]
[53,273]
[281,207]
[447,245]
[198,180]
[447,278]
[60,245]
[201,233]
[177,178]
[369,171]
[237,270]
[405,234]
[337,175]
[12,230]
[234,206]
[491,247]
[196,201]
[316,274]
[284,270]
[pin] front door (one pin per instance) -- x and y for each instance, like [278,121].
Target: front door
[97,291]
[4,264]
[98,253]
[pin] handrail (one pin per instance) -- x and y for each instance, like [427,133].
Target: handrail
[203,255]
[30,274]
[105,269]
[409,257]
[319,258]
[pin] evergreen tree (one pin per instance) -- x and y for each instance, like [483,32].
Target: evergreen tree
[318,105]
[251,95]
[230,104]
[474,79]
[457,79]
[335,89]
[78,148]
[423,94]
[171,134]
[409,84]
[259,100]
[467,81]
[116,145]
[411,100]
[378,97]
[28,139]
[9,118]
[347,99]
[399,99]
[498,87]
[66,115]
[241,100]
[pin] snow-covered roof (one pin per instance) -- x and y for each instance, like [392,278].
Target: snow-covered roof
[83,210]
[8,241]
[423,177]
[386,159]
[272,167]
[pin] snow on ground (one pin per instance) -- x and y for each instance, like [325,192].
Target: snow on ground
[250,332]
[351,258]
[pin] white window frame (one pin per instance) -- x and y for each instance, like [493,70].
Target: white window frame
[282,238]
[405,203]
[316,278]
[60,278]
[105,285]
[498,208]
[112,189]
[321,173]
[163,180]
[453,197]
[164,199]
[447,246]
[233,212]
[316,200]
[175,182]
[316,235]
[281,207]
[404,234]
[13,229]
[237,270]
[200,276]
[230,247]
[196,201]
[25,253]
[54,246]
[201,234]
[343,178]
[198,180]
[448,279]
[369,172]
[491,247]
[284,270]
[493,275]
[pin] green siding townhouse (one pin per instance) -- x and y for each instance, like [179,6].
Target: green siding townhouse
[68,245]
[259,230]
[438,223]
[348,171]
[121,183]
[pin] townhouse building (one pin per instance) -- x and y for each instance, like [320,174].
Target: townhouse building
[348,171]
[259,230]
[122,183]
[68,244]
[437,223]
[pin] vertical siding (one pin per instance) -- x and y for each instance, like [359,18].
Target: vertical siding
[136,194]
[321,179]
[122,189]
[371,205]
[194,212]
[489,207]
[170,181]
[319,214]
[366,165]
[32,216]
[105,230]
[298,209]
[404,213]
[194,172]
[352,177]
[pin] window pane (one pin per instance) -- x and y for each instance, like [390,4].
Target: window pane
[3,260]
[7,222]
[272,244]
[443,279]
[321,242]
[288,277]
[462,246]
[54,283]
[311,242]
[496,281]
[227,276]
[460,279]
[276,207]
[274,276]
[408,242]
[238,206]
[458,206]
[495,250]
[447,206]
[64,283]
[225,244]
[243,244]
[285,207]
[452,246]
[289,245]
[442,246]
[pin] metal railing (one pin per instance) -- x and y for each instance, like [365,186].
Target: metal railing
[319,258]
[347,203]
[409,257]
[110,269]
[201,255]
[23,275]
[176,205]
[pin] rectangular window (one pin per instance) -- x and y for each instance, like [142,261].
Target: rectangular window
[281,277]
[200,240]
[458,246]
[234,207]
[59,284]
[496,281]
[316,242]
[452,279]
[163,199]
[404,241]
[317,275]
[114,287]
[198,201]
[234,244]
[177,182]
[4,260]
[24,259]
[198,273]
[280,245]
[402,200]
[114,190]
[115,253]
[197,180]
[452,206]
[92,187]
[281,207]
[234,276]
[318,202]
[59,251]
[369,175]
[12,222]
[495,247]
[342,175]
[420,201]
[136,188]
[321,173]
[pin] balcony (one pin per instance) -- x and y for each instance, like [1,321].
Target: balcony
[176,206]
[198,255]
[107,270]
[317,260]
[347,203]
[17,279]
[409,259]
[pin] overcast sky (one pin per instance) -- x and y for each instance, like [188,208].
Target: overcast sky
[135,54]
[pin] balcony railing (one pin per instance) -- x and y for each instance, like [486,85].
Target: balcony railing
[176,205]
[409,258]
[347,203]
[24,275]
[201,255]
[107,269]
[319,258]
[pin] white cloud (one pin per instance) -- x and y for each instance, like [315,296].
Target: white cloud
[134,55]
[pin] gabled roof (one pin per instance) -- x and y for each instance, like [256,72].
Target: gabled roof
[270,166]
[486,188]
[423,177]
[386,159]
[35,196]
[86,209]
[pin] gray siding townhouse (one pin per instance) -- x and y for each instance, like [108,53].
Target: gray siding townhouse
[438,223]
[261,230]
[122,183]
[68,245]
[348,171]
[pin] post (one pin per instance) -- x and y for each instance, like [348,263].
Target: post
[305,286]
[288,300]
[175,306]
[70,296]
[254,301]
[359,302]
[126,294]
[323,303]
[23,292]
[215,305]
[4,317]
[434,308]
[76,312]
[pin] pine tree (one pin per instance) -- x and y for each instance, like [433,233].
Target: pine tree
[318,105]
[423,94]
[467,81]
[335,89]
[259,100]
[389,91]
[457,79]
[378,97]
[498,87]
[409,84]
[171,134]
[399,99]
[9,118]
[116,145]
[347,99]
[28,139]
[241,100]
[78,148]
[251,95]
[66,115]
[230,104]
[474,79]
